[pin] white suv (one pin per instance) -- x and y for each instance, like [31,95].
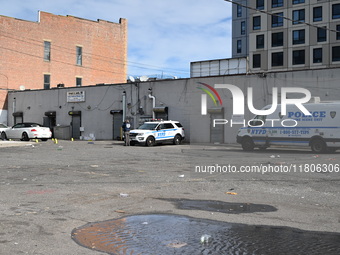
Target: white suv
[158,131]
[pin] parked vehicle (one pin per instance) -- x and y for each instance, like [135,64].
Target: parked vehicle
[320,131]
[3,127]
[26,131]
[158,131]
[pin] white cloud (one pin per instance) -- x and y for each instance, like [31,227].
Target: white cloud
[163,35]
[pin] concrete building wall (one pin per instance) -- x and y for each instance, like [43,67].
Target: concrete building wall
[103,44]
[311,37]
[240,30]
[182,97]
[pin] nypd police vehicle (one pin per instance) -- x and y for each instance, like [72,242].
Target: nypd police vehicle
[320,131]
[157,131]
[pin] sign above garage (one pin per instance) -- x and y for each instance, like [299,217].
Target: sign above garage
[75,96]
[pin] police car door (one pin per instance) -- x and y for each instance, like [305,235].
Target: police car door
[258,130]
[161,132]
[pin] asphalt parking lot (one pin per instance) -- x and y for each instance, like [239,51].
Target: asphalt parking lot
[49,189]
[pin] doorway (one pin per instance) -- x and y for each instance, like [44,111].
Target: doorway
[75,124]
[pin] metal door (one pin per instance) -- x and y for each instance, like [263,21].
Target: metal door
[217,132]
[76,123]
[117,124]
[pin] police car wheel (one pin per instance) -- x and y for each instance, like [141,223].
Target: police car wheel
[150,141]
[177,140]
[248,144]
[318,146]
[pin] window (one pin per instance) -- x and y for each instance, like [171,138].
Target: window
[336,53]
[277,19]
[259,41]
[260,4]
[322,34]
[243,28]
[298,57]
[79,81]
[298,1]
[239,46]
[277,3]
[298,16]
[47,51]
[256,60]
[239,11]
[317,55]
[277,39]
[338,33]
[336,11]
[277,59]
[47,81]
[79,52]
[299,36]
[317,14]
[257,23]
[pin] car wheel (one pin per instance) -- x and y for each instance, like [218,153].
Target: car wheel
[248,144]
[150,141]
[318,146]
[177,140]
[24,137]
[3,136]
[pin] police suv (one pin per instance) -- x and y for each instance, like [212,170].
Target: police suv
[157,131]
[320,130]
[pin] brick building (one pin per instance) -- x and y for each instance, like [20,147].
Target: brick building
[60,50]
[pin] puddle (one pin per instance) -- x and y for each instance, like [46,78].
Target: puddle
[175,234]
[219,206]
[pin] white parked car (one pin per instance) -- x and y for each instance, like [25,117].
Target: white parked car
[158,131]
[26,131]
[3,128]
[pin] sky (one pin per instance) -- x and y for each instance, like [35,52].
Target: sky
[164,36]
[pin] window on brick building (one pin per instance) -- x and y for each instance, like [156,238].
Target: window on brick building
[47,51]
[47,81]
[79,52]
[79,81]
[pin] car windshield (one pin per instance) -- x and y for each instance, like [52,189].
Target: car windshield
[148,126]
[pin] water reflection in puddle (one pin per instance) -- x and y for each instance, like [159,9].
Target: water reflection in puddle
[219,206]
[176,234]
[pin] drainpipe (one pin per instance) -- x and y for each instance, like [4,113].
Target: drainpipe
[124,105]
[153,105]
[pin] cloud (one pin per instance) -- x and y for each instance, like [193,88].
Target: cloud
[164,36]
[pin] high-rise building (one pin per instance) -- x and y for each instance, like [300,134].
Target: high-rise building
[282,35]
